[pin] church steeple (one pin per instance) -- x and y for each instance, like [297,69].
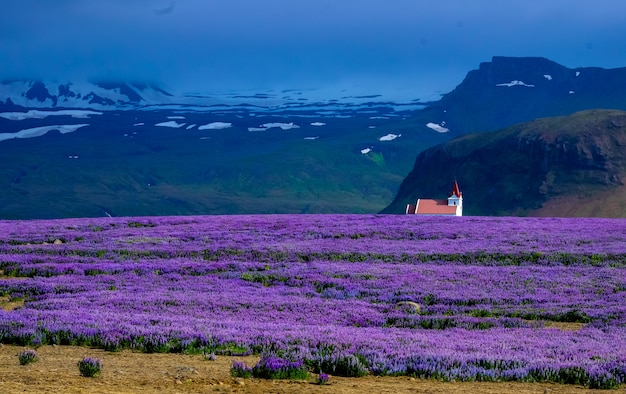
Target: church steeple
[455,190]
[455,198]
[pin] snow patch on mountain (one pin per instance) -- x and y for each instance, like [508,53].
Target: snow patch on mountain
[437,127]
[215,126]
[126,96]
[39,131]
[389,137]
[266,126]
[515,83]
[172,123]
[102,96]
[284,126]
[37,114]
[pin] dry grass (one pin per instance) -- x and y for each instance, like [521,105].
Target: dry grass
[131,372]
[565,326]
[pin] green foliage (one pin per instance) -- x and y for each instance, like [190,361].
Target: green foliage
[266,280]
[573,316]
[93,272]
[481,313]
[240,369]
[575,376]
[429,299]
[135,224]
[357,236]
[231,349]
[347,365]
[89,367]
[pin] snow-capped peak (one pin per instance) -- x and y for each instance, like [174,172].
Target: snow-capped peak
[93,95]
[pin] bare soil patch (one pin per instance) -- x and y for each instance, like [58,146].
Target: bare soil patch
[133,372]
[565,326]
[8,305]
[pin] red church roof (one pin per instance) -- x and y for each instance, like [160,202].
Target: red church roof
[434,207]
[451,206]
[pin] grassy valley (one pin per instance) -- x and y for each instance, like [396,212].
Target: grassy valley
[124,170]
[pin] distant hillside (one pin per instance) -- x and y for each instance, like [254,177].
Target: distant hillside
[510,90]
[561,166]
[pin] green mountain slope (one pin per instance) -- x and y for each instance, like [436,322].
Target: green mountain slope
[565,166]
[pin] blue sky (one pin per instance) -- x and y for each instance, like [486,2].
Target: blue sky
[421,47]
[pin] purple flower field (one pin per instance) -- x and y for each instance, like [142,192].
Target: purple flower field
[469,298]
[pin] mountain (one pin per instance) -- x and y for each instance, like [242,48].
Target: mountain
[510,90]
[560,166]
[125,148]
[94,95]
[202,160]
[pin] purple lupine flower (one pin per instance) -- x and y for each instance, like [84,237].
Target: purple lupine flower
[329,290]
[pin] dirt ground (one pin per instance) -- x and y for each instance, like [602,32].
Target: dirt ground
[132,372]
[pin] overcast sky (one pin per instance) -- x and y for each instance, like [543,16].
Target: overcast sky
[420,46]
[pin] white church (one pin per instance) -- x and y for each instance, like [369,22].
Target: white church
[452,206]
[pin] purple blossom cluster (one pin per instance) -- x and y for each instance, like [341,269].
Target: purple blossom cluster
[27,356]
[89,367]
[470,298]
[239,369]
[276,367]
[322,378]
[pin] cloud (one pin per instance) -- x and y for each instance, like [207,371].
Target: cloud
[209,45]
[166,10]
